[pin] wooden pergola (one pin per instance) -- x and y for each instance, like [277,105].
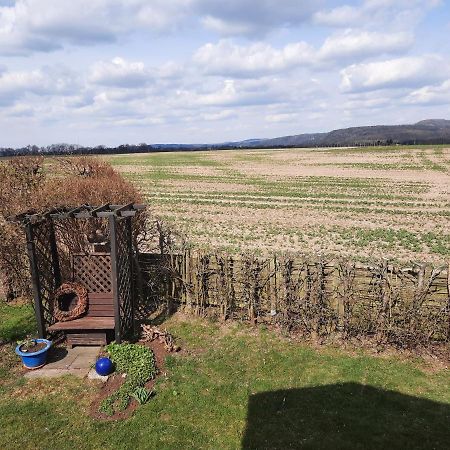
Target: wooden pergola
[107,276]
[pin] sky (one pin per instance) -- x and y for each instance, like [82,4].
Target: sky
[109,72]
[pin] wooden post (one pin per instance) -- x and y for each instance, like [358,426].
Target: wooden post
[448,300]
[55,257]
[114,275]
[131,269]
[35,281]
[273,287]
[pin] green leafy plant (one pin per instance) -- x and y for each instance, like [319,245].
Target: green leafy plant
[28,345]
[28,342]
[142,395]
[106,407]
[138,363]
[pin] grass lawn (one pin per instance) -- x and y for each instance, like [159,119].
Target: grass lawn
[15,321]
[234,387]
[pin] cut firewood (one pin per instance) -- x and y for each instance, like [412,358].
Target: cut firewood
[150,333]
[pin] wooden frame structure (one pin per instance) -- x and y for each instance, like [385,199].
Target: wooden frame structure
[46,274]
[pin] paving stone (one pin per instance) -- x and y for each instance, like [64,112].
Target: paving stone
[76,361]
[93,375]
[90,350]
[61,363]
[51,373]
[82,361]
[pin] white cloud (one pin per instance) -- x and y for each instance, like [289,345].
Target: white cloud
[363,44]
[236,93]
[341,16]
[371,100]
[430,95]
[226,58]
[282,117]
[407,72]
[119,72]
[219,115]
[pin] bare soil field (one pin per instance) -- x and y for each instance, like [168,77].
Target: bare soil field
[391,202]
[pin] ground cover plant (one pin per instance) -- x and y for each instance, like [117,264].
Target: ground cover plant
[362,202]
[137,363]
[239,387]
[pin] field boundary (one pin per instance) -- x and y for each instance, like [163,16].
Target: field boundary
[318,297]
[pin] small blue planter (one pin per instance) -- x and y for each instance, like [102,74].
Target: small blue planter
[36,359]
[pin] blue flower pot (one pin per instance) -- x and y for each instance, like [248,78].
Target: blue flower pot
[34,360]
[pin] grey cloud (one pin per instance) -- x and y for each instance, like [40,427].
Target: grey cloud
[136,76]
[47,81]
[396,14]
[249,17]
[21,111]
[30,26]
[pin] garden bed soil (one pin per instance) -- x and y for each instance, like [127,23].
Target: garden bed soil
[115,381]
[32,348]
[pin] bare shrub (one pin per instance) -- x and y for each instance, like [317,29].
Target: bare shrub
[20,182]
[26,186]
[320,299]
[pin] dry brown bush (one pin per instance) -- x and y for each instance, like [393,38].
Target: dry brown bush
[26,186]
[20,181]
[312,296]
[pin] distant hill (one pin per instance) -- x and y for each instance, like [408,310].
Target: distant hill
[432,131]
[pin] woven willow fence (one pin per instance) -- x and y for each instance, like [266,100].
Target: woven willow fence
[401,305]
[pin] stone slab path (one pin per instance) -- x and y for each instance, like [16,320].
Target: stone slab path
[76,361]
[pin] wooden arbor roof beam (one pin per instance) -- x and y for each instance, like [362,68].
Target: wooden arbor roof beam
[80,212]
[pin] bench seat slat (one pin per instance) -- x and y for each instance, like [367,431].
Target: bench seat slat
[101,313]
[85,323]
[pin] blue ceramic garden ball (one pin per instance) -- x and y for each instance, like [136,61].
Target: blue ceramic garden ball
[104,366]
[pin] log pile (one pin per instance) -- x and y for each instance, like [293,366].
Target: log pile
[151,333]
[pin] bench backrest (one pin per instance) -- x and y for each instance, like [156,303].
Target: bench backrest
[100,304]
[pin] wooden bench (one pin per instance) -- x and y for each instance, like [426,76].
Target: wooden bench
[95,326]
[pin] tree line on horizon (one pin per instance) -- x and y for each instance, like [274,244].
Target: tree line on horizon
[430,132]
[72,149]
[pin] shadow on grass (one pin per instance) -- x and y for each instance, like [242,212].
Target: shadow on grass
[346,415]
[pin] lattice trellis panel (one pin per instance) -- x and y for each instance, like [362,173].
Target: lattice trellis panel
[124,274]
[47,278]
[93,271]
